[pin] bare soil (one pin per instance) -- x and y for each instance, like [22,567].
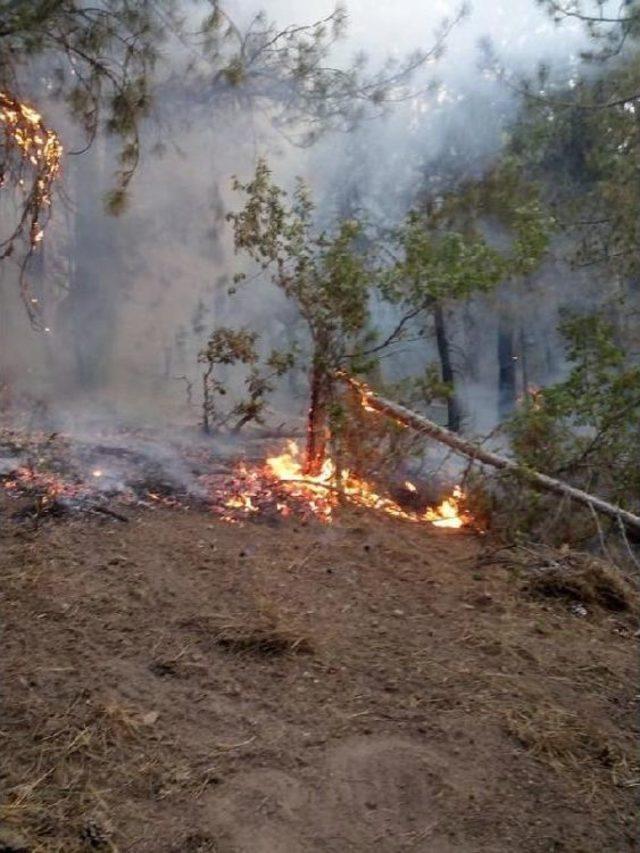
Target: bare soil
[177,684]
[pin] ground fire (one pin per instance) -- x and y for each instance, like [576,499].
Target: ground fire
[64,475]
[319,426]
[325,490]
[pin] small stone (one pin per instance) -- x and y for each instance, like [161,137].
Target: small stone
[150,718]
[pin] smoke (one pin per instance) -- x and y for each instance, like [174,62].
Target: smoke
[129,301]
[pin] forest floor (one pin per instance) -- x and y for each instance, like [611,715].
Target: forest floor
[177,684]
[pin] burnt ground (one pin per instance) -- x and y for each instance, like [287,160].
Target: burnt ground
[177,684]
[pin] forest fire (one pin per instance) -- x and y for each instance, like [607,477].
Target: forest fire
[49,491]
[324,491]
[235,492]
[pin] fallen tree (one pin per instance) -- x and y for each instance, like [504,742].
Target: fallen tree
[373,402]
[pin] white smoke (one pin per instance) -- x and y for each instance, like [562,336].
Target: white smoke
[156,279]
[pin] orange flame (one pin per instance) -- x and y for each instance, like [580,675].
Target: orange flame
[322,492]
[449,514]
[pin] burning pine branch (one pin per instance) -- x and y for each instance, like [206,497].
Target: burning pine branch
[31,161]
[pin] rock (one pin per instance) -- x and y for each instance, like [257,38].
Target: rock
[150,718]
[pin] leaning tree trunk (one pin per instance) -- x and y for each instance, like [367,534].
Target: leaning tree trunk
[444,351]
[424,426]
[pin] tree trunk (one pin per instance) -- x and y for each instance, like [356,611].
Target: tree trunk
[91,303]
[207,402]
[317,428]
[524,361]
[507,393]
[444,351]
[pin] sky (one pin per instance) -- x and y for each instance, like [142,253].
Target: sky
[521,30]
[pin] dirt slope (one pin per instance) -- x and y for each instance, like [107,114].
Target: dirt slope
[179,684]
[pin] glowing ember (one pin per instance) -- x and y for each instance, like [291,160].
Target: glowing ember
[47,485]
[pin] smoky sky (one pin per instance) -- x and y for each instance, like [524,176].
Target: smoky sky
[523,33]
[131,300]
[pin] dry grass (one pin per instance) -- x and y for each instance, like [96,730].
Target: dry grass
[571,576]
[263,631]
[60,798]
[585,580]
[569,743]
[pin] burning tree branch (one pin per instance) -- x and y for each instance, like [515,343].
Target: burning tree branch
[411,420]
[31,160]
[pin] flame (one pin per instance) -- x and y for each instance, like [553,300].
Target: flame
[323,492]
[39,145]
[448,514]
[243,502]
[49,486]
[278,486]
[315,490]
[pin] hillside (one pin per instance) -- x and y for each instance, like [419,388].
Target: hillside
[176,683]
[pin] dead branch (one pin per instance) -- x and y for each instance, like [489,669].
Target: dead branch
[104,510]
